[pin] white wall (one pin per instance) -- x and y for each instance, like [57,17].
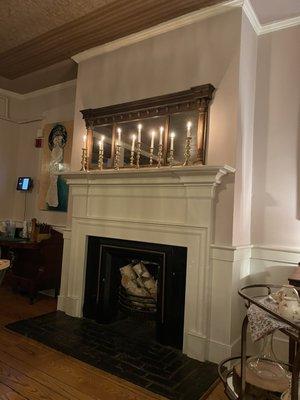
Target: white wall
[204,52]
[244,143]
[8,156]
[276,172]
[21,157]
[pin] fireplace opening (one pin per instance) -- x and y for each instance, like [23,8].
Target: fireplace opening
[138,288]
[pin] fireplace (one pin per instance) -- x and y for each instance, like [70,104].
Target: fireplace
[167,209]
[139,282]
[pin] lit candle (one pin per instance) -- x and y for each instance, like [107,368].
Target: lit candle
[188,128]
[172,136]
[139,133]
[119,130]
[161,131]
[84,141]
[152,139]
[101,142]
[133,142]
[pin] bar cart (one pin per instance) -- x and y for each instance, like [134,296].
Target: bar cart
[292,330]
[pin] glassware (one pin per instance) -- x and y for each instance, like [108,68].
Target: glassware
[10,229]
[265,365]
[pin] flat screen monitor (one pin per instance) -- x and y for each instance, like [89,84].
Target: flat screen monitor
[24,183]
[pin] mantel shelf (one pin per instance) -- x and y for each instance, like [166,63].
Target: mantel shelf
[208,174]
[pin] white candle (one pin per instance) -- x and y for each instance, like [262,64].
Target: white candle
[188,128]
[139,133]
[152,139]
[119,130]
[133,142]
[161,131]
[84,141]
[101,142]
[172,136]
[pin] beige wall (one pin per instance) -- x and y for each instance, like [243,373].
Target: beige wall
[204,52]
[244,143]
[22,158]
[276,172]
[8,145]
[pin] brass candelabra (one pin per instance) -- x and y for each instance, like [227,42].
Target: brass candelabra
[117,158]
[171,158]
[138,154]
[187,151]
[132,158]
[100,159]
[151,156]
[84,160]
[159,155]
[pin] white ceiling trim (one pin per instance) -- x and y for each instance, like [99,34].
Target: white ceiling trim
[250,13]
[164,27]
[185,20]
[272,26]
[278,25]
[40,92]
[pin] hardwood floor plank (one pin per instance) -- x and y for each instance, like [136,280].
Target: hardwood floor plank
[25,386]
[30,370]
[7,393]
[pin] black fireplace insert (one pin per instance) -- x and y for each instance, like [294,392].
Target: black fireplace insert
[138,281]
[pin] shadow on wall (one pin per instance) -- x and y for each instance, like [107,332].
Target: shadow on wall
[273,274]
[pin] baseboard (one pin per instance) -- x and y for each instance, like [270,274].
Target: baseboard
[69,305]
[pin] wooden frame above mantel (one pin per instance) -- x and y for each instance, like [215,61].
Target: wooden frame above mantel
[197,98]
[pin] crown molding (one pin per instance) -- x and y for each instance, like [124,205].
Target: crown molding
[278,25]
[250,13]
[40,92]
[164,27]
[185,20]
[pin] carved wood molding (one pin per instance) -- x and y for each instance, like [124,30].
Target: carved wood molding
[196,98]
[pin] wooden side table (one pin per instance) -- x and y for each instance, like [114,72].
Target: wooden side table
[4,264]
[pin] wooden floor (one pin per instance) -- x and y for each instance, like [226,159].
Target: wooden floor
[32,371]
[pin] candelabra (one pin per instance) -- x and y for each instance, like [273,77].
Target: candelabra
[117,158]
[132,158]
[159,155]
[171,157]
[187,151]
[151,156]
[84,160]
[138,154]
[100,159]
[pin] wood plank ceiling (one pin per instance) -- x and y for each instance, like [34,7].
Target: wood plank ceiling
[113,20]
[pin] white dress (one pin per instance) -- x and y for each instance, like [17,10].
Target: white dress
[57,155]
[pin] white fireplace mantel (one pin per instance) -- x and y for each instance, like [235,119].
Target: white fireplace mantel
[173,206]
[204,174]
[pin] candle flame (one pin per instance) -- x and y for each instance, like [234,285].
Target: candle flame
[153,133]
[102,138]
[140,126]
[161,129]
[189,125]
[119,130]
[172,135]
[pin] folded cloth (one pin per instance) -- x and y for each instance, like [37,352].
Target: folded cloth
[261,323]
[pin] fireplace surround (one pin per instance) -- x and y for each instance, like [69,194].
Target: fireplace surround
[167,206]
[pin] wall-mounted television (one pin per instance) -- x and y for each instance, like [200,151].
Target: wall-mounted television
[24,183]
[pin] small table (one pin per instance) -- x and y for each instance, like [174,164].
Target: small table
[4,264]
[295,279]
